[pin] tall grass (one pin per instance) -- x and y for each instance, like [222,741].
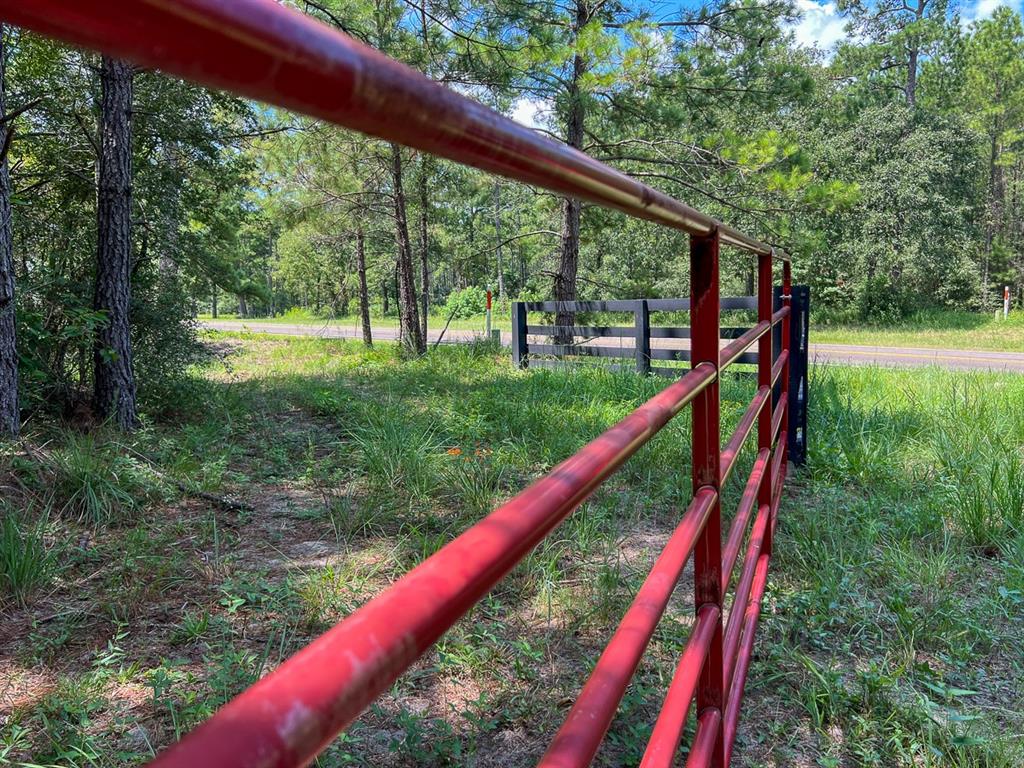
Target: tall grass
[96,482]
[26,564]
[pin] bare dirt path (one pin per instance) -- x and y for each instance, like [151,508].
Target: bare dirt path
[826,354]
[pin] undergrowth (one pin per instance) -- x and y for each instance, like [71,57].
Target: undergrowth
[156,575]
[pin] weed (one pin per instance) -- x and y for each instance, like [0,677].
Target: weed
[398,454]
[97,483]
[26,564]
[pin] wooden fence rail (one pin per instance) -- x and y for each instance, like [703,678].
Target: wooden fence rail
[526,352]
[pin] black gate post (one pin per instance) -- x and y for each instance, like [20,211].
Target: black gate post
[519,347]
[643,337]
[799,329]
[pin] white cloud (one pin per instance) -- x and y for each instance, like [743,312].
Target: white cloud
[820,24]
[982,9]
[528,112]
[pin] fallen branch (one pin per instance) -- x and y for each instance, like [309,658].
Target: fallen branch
[441,336]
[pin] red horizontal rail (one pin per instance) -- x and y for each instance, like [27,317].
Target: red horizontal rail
[779,365]
[702,753]
[780,314]
[742,518]
[286,718]
[579,738]
[739,435]
[746,652]
[668,730]
[732,628]
[777,415]
[778,470]
[733,350]
[268,52]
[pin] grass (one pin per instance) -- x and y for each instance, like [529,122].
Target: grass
[891,632]
[935,329]
[26,564]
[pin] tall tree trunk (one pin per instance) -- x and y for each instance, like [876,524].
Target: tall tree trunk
[408,314]
[364,291]
[213,302]
[569,256]
[384,295]
[424,248]
[497,236]
[114,381]
[911,90]
[10,419]
[243,309]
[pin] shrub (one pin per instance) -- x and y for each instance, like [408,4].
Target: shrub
[466,303]
[25,562]
[95,482]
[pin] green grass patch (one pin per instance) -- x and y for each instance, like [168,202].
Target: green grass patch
[309,474]
[931,329]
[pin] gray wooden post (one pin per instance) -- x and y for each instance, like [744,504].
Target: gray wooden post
[519,343]
[643,337]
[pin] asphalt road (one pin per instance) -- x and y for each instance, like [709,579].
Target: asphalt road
[827,354]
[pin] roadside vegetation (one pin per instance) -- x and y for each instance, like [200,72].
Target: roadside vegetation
[147,578]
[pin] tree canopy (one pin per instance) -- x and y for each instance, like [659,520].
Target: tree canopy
[889,164]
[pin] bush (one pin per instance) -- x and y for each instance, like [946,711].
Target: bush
[466,303]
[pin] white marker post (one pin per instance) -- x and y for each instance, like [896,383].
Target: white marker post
[1006,301]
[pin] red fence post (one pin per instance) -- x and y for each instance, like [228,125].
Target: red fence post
[787,301]
[707,567]
[764,379]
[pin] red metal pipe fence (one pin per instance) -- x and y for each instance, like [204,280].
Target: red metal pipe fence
[259,49]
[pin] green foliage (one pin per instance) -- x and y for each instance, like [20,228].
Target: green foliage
[465,303]
[26,563]
[95,481]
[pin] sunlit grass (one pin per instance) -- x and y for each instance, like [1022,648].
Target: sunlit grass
[893,621]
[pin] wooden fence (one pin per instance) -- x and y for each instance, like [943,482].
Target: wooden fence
[645,356]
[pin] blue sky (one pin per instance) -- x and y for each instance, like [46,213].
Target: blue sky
[822,25]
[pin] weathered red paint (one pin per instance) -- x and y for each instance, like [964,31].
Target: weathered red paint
[735,445]
[740,344]
[753,612]
[707,740]
[742,517]
[758,538]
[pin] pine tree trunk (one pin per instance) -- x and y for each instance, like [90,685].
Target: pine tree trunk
[364,291]
[213,302]
[384,296]
[408,314]
[114,381]
[10,419]
[243,309]
[569,256]
[911,92]
[424,251]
